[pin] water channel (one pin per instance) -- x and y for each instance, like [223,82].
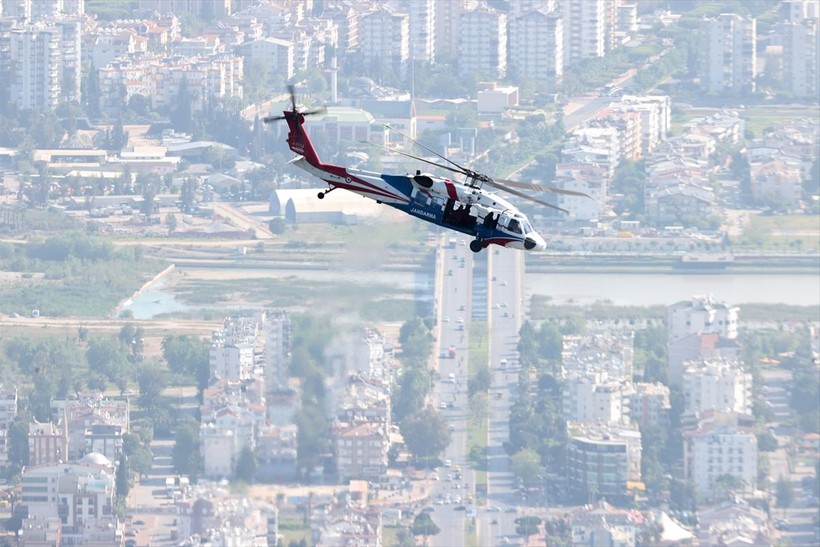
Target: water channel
[563,288]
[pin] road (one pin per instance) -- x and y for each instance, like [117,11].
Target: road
[505,274]
[454,301]
[802,511]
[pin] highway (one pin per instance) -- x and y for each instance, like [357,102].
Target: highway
[505,274]
[454,300]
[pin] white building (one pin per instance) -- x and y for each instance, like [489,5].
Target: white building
[536,48]
[36,67]
[277,350]
[483,44]
[716,385]
[588,178]
[698,346]
[8,412]
[656,117]
[701,314]
[584,29]
[232,348]
[801,57]
[423,27]
[276,55]
[728,58]
[719,444]
[384,37]
[593,398]
[612,353]
[78,498]
[594,145]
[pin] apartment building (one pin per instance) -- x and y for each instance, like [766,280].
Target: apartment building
[71,503]
[602,461]
[384,37]
[728,59]
[612,353]
[36,66]
[585,25]
[701,314]
[276,55]
[592,180]
[483,44]
[649,405]
[8,412]
[536,47]
[47,443]
[699,346]
[717,444]
[362,451]
[594,398]
[720,385]
[423,24]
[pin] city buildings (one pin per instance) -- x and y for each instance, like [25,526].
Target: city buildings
[384,41]
[717,445]
[536,47]
[483,44]
[70,503]
[728,58]
[718,385]
[699,315]
[603,462]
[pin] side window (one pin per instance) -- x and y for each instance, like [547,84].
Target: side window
[514,226]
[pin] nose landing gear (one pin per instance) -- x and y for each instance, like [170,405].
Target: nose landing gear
[476,245]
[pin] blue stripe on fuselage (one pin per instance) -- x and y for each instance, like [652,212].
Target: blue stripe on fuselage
[401,183]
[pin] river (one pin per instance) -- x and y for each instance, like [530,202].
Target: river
[564,288]
[665,289]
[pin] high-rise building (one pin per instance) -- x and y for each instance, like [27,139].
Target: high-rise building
[801,57]
[718,444]
[36,67]
[384,36]
[728,60]
[584,29]
[71,42]
[602,461]
[716,385]
[483,44]
[423,24]
[536,48]
[447,27]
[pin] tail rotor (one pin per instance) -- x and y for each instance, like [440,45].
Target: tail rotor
[294,111]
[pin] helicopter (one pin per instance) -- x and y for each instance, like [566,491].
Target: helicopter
[465,207]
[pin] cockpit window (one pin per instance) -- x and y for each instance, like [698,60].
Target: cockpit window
[527,227]
[514,226]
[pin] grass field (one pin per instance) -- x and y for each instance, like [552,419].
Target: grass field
[758,118]
[781,232]
[477,428]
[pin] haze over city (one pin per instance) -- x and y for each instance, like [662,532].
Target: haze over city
[409,272]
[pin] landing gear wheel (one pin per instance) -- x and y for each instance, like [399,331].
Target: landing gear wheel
[476,246]
[320,195]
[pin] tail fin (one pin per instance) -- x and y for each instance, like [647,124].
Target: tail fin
[298,140]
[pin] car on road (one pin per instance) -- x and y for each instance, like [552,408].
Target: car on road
[493,509]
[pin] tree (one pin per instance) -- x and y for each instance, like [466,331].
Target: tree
[246,465]
[767,442]
[725,484]
[185,453]
[185,353]
[122,485]
[152,381]
[425,433]
[18,440]
[414,385]
[527,526]
[784,493]
[171,222]
[423,525]
[526,465]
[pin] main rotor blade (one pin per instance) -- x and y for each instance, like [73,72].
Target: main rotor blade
[268,119]
[503,183]
[461,169]
[418,158]
[530,198]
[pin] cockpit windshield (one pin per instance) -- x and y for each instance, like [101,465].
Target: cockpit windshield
[527,227]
